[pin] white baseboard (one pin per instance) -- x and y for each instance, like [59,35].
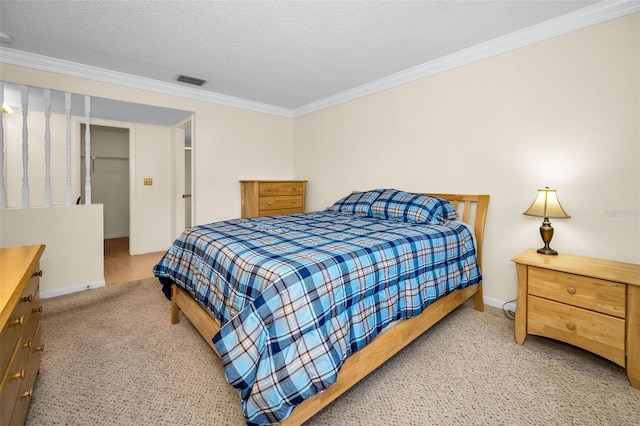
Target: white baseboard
[500,304]
[69,290]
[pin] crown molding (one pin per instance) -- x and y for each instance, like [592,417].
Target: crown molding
[583,18]
[59,66]
[565,24]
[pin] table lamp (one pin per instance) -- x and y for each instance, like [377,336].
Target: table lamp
[547,205]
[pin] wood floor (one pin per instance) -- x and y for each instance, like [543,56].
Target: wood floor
[120,267]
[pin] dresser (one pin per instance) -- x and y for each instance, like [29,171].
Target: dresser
[20,343]
[272,197]
[590,303]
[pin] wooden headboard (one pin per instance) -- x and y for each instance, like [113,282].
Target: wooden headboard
[472,210]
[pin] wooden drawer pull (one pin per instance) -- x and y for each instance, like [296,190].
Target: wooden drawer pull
[269,203]
[19,321]
[19,375]
[27,345]
[39,348]
[271,188]
[571,290]
[38,310]
[571,325]
[28,298]
[37,274]
[27,394]
[293,201]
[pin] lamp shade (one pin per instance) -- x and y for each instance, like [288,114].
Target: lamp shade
[547,205]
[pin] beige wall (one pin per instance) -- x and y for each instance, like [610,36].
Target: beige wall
[151,212]
[562,113]
[73,258]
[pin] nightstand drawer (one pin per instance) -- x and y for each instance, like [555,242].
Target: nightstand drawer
[589,293]
[281,188]
[601,334]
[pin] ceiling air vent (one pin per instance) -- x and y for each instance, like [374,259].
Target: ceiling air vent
[190,80]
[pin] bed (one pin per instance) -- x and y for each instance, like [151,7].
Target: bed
[301,307]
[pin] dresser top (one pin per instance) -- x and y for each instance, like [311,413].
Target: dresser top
[610,270]
[16,267]
[273,180]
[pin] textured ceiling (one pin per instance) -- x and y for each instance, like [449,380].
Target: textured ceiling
[281,53]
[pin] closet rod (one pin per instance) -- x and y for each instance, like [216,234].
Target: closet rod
[97,157]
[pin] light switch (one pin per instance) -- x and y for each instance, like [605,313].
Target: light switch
[148,181]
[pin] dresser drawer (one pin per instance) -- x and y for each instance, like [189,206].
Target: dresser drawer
[281,188]
[18,319]
[278,212]
[12,381]
[588,293]
[601,334]
[11,334]
[281,202]
[35,347]
[32,365]
[33,319]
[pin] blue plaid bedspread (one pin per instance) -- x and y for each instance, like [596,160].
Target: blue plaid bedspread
[297,294]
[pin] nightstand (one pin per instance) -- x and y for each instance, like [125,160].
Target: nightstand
[590,303]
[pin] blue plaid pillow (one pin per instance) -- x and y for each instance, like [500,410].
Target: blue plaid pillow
[413,208]
[358,203]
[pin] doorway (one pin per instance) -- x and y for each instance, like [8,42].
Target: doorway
[109,172]
[187,177]
[183,166]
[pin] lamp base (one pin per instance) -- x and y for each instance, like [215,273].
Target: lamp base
[546,232]
[547,250]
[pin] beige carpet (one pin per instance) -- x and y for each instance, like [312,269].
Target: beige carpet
[112,358]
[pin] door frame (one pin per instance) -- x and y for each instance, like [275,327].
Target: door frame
[178,172]
[77,125]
